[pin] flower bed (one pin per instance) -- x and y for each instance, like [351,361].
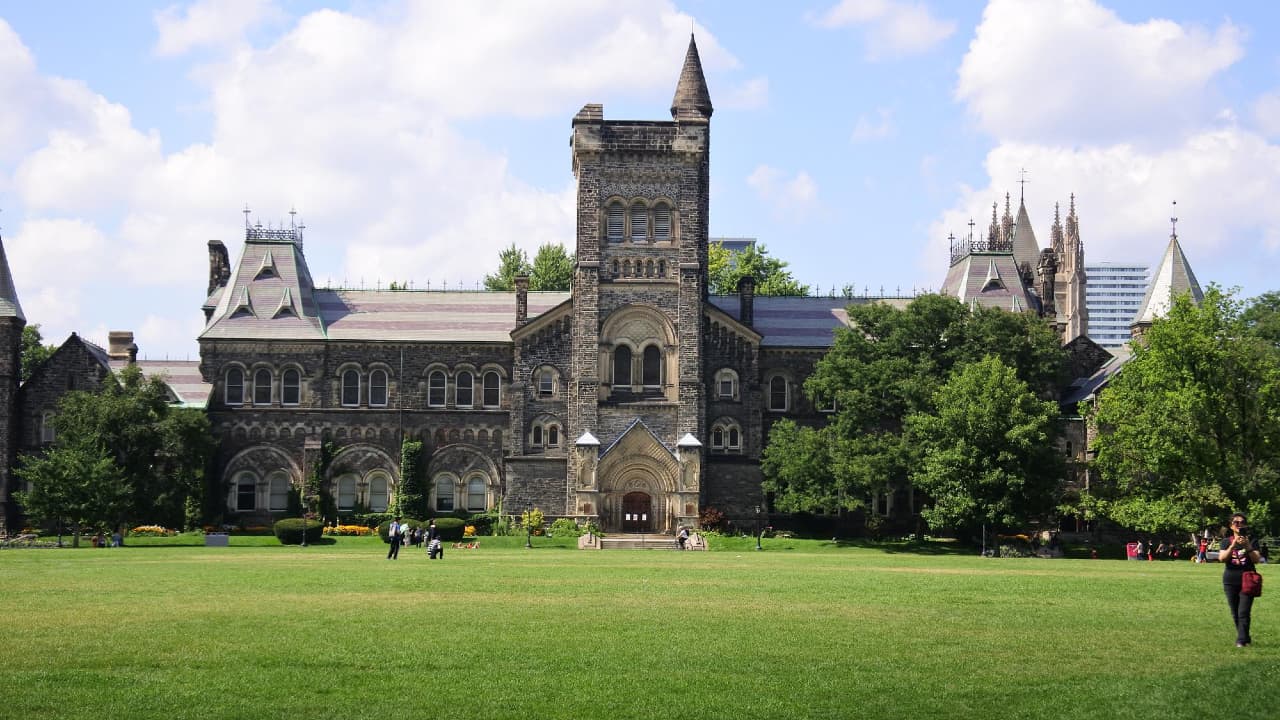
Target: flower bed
[359,530]
[151,531]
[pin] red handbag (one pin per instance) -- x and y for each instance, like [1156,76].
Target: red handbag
[1251,583]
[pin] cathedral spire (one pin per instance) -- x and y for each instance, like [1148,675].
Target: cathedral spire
[993,234]
[1025,248]
[692,101]
[1055,232]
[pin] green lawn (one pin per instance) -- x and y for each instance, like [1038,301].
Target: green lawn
[805,629]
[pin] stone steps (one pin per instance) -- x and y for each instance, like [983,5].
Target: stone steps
[636,541]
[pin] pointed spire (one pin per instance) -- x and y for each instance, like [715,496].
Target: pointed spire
[692,101]
[1172,278]
[1006,225]
[1055,232]
[1025,248]
[994,231]
[9,306]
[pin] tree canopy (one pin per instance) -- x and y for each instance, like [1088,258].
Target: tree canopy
[726,268]
[34,351]
[1189,429]
[889,367]
[551,269]
[121,454]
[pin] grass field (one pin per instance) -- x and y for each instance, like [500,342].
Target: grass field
[804,629]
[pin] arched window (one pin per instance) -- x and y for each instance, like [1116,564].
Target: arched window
[717,438]
[350,388]
[553,436]
[622,366]
[262,387]
[279,484]
[614,222]
[492,390]
[235,387]
[346,492]
[47,433]
[378,388]
[726,384]
[246,492]
[652,367]
[290,387]
[379,492]
[435,389]
[735,439]
[475,495]
[444,493]
[726,436]
[464,390]
[536,439]
[639,222]
[662,222]
[778,394]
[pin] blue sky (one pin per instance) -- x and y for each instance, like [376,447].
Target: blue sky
[417,139]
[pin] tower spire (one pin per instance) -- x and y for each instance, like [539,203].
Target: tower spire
[692,101]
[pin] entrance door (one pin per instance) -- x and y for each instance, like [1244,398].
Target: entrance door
[636,513]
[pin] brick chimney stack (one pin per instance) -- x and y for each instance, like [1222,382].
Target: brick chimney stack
[522,298]
[746,300]
[120,345]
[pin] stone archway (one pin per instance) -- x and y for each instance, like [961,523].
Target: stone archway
[638,480]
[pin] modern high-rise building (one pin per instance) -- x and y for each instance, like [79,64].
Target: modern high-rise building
[1113,293]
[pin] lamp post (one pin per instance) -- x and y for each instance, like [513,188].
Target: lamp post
[528,536]
[759,528]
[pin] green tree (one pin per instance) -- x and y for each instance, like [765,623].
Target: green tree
[34,351]
[1189,430]
[726,268]
[890,367]
[552,268]
[987,453]
[75,487]
[1261,317]
[158,453]
[512,262]
[411,497]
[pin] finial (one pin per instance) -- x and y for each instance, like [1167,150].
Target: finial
[1072,211]
[246,216]
[1022,194]
[1174,221]
[970,229]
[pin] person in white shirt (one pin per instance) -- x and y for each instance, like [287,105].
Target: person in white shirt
[396,534]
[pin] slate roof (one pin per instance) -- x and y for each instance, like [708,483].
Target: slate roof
[692,100]
[182,377]
[1025,248]
[270,296]
[798,321]
[1173,277]
[9,306]
[989,279]
[1084,388]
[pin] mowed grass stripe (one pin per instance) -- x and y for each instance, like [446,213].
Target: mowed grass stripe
[505,632]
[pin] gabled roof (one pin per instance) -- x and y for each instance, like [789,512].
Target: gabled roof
[1172,278]
[9,306]
[248,307]
[1085,388]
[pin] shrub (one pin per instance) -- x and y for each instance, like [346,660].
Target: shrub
[290,531]
[450,528]
[565,527]
[483,522]
[151,531]
[358,530]
[711,519]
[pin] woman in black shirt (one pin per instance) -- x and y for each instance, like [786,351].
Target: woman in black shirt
[1239,555]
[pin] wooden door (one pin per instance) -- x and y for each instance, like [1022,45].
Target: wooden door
[636,513]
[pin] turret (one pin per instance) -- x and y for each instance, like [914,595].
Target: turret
[692,101]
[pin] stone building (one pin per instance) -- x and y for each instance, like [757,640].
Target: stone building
[636,400]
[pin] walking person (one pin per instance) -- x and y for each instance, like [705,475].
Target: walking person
[395,533]
[1240,557]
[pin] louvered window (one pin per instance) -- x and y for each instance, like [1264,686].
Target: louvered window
[614,222]
[639,223]
[662,222]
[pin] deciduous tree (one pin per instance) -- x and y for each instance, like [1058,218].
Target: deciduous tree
[725,269]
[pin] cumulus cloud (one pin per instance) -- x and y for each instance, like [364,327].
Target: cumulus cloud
[752,94]
[356,119]
[210,23]
[1072,71]
[893,29]
[1266,112]
[793,195]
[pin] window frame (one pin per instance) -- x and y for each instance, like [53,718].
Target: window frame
[620,208]
[496,389]
[286,387]
[259,386]
[374,400]
[470,492]
[228,385]
[623,362]
[344,386]
[432,389]
[652,364]
[250,481]
[786,394]
[48,434]
[638,211]
[470,389]
[278,478]
[447,482]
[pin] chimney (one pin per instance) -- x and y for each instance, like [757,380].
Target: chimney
[119,343]
[219,266]
[522,298]
[746,300]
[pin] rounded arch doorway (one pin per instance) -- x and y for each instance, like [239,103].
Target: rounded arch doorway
[637,512]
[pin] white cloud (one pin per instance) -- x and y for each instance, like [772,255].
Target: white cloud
[353,119]
[210,23]
[893,29]
[866,129]
[750,95]
[1266,112]
[794,195]
[1071,71]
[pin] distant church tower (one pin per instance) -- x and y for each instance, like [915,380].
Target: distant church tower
[1069,283]
[12,321]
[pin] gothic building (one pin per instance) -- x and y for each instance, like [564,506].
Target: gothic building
[636,400]
[1008,269]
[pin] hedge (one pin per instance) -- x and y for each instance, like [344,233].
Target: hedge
[289,531]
